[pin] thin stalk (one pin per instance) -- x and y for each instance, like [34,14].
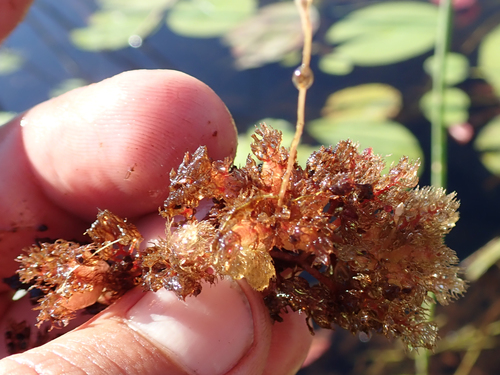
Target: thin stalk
[438,131]
[302,79]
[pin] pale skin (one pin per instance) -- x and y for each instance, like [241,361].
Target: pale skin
[112,145]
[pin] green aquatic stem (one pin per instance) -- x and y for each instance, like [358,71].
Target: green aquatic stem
[438,131]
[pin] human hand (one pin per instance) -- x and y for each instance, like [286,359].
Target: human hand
[112,145]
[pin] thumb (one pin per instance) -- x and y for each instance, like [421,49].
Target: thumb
[221,331]
[226,330]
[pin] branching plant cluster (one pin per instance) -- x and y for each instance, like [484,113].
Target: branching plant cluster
[347,245]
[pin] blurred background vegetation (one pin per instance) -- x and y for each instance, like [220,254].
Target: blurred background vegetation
[373,62]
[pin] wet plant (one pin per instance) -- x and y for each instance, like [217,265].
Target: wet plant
[338,240]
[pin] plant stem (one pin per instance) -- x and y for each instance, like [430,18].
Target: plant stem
[438,131]
[302,79]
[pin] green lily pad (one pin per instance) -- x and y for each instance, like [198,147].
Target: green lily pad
[385,33]
[488,144]
[136,6]
[291,59]
[456,68]
[288,131]
[268,35]
[6,117]
[489,58]
[387,138]
[67,85]
[10,61]
[208,18]
[112,29]
[369,102]
[336,64]
[456,106]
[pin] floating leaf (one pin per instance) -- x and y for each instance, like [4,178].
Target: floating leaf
[370,102]
[67,85]
[269,35]
[488,143]
[10,61]
[456,68]
[208,18]
[489,58]
[360,113]
[6,117]
[136,6]
[456,106]
[291,59]
[385,33]
[335,63]
[287,130]
[387,138]
[111,29]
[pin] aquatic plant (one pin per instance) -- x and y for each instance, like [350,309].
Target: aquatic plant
[339,240]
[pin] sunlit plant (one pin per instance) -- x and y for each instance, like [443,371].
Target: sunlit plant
[371,240]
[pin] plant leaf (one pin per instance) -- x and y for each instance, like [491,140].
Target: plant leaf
[268,35]
[387,138]
[10,61]
[208,18]
[111,29]
[385,33]
[489,58]
[134,5]
[368,102]
[67,85]
[456,68]
[456,106]
[488,143]
[481,260]
[6,116]
[335,63]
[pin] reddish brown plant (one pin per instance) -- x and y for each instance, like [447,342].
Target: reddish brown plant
[339,241]
[348,245]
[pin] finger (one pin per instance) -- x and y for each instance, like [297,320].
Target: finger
[112,145]
[27,214]
[224,330]
[291,340]
[227,329]
[11,13]
[109,145]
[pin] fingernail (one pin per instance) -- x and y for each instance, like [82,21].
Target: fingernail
[206,335]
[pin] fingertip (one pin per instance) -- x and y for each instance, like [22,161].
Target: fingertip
[290,344]
[113,144]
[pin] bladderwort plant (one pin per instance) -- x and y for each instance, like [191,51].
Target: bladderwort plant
[372,242]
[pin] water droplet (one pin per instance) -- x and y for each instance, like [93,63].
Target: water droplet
[303,77]
[365,336]
[135,41]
